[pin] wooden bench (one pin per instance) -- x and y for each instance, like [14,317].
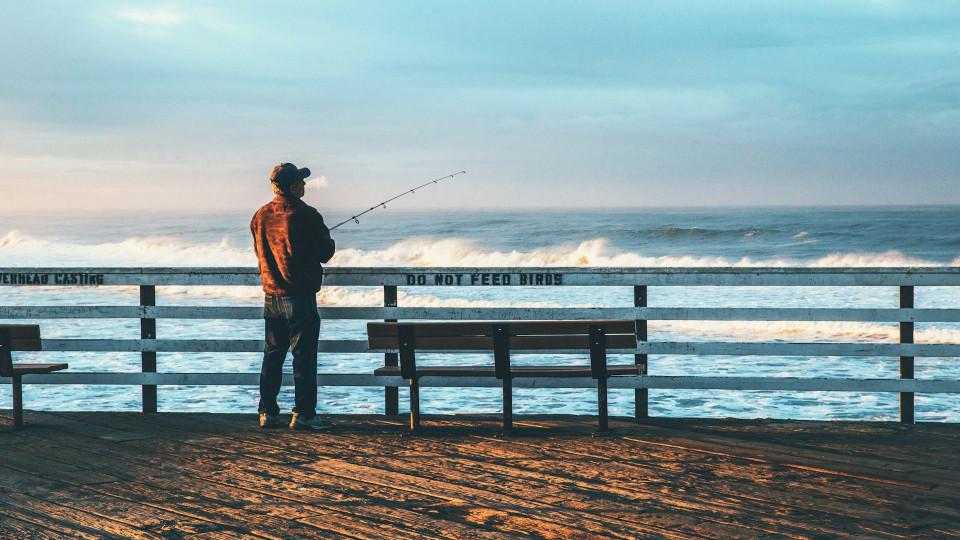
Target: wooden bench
[20,337]
[502,337]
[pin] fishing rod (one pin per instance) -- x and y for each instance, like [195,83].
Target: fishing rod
[356,218]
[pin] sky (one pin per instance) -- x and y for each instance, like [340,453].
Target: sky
[186,106]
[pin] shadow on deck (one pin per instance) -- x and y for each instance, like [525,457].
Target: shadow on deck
[216,476]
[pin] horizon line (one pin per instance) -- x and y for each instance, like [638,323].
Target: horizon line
[545,209]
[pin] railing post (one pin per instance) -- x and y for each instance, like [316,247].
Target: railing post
[391,399]
[906,362]
[641,396]
[148,359]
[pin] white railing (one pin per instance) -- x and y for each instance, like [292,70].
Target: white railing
[147,279]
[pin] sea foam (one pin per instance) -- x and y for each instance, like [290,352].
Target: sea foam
[19,249]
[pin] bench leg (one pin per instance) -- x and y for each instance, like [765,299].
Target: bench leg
[602,403]
[414,404]
[507,404]
[17,401]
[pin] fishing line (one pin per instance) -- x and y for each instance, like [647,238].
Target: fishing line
[356,218]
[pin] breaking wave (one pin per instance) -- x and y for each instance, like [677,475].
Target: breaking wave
[18,249]
[427,252]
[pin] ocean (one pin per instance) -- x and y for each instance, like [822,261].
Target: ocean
[806,237]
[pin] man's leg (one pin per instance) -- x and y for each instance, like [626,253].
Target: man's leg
[304,333]
[276,345]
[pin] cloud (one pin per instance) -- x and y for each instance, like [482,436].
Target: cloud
[657,103]
[156,17]
[317,183]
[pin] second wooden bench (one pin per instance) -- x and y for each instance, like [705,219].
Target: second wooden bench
[21,337]
[502,337]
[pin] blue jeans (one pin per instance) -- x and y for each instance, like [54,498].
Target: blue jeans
[291,323]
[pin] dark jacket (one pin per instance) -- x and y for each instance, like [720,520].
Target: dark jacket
[291,242]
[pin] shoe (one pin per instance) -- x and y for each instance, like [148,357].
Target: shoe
[313,424]
[269,420]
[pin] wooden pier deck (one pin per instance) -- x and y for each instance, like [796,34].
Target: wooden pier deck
[130,475]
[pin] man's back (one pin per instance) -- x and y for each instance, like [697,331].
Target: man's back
[291,242]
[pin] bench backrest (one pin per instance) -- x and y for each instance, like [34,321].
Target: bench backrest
[503,336]
[559,335]
[16,337]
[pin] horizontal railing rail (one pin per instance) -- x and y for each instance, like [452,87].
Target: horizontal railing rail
[702,348]
[496,276]
[820,384]
[390,279]
[440,313]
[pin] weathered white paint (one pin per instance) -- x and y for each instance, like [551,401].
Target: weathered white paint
[570,276]
[658,382]
[467,314]
[514,277]
[707,348]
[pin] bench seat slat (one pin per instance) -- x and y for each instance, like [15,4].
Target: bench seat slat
[24,369]
[485,328]
[441,371]
[615,341]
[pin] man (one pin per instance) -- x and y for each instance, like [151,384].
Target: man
[291,242]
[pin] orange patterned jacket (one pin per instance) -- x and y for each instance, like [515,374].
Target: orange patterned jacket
[291,242]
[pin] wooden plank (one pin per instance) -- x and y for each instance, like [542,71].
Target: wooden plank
[20,368]
[506,313]
[13,525]
[148,359]
[568,446]
[442,371]
[618,463]
[619,458]
[189,498]
[870,472]
[906,362]
[641,396]
[861,444]
[22,337]
[26,344]
[71,510]
[24,332]
[295,485]
[519,276]
[616,501]
[187,345]
[685,491]
[704,348]
[70,312]
[517,371]
[619,382]
[170,511]
[517,343]
[517,328]
[652,347]
[434,478]
[812,503]
[336,448]
[45,526]
[391,399]
[798,349]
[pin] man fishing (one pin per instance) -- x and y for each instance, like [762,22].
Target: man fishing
[291,242]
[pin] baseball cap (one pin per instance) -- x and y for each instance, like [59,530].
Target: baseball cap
[287,174]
